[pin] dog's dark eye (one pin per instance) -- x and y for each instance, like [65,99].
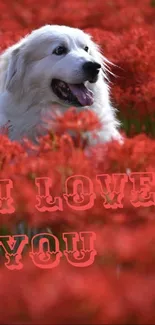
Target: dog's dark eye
[86,48]
[60,50]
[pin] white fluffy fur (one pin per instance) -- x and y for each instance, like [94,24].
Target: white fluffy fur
[26,71]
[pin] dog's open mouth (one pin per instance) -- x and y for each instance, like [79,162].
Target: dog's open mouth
[77,94]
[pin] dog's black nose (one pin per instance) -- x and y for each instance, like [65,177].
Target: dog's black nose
[91,69]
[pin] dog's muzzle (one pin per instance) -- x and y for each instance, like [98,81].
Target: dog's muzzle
[77,94]
[72,94]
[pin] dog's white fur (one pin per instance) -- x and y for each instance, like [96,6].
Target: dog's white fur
[26,71]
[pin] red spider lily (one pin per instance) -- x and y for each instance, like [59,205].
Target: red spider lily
[85,120]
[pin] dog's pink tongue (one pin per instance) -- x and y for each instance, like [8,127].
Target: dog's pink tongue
[83,94]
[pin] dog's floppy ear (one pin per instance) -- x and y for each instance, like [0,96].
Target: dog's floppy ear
[15,70]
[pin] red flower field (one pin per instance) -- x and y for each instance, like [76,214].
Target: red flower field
[119,287]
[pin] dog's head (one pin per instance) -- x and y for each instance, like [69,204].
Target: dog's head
[55,64]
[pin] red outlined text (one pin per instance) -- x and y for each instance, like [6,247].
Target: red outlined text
[79,195]
[45,251]
[79,192]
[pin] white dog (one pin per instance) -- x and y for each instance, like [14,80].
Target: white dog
[54,67]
